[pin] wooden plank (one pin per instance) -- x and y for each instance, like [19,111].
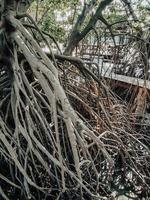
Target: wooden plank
[129,80]
[122,78]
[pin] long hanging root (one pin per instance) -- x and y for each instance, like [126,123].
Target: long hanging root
[52,146]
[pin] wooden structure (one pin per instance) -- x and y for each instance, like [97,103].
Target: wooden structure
[140,87]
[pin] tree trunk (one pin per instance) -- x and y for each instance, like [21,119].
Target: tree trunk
[77,35]
[73,42]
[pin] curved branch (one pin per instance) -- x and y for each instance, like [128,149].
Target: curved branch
[76,35]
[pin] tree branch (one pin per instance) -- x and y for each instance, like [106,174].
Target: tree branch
[76,35]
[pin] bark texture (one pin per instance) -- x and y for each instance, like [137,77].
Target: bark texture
[77,34]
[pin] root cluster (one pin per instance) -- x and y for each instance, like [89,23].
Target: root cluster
[63,134]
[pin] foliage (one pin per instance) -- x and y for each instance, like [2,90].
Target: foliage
[50,25]
[54,17]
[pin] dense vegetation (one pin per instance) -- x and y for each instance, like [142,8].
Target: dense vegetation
[67,131]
